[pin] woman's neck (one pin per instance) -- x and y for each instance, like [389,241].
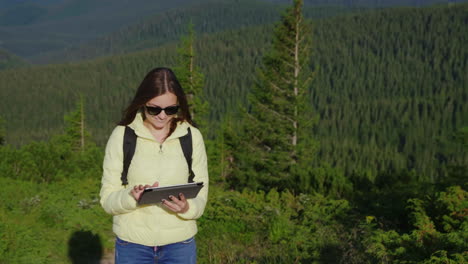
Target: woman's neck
[160,134]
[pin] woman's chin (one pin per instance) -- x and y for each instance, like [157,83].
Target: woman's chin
[160,125]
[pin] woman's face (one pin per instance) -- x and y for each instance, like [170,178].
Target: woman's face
[163,119]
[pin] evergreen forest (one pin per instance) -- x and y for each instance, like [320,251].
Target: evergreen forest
[334,135]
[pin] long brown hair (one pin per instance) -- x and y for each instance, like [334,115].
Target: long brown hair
[158,82]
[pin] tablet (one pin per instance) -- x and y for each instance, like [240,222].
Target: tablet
[154,195]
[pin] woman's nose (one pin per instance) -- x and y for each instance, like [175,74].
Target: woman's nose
[162,115]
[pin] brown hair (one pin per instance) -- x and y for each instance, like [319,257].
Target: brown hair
[158,82]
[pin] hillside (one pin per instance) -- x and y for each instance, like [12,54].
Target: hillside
[30,28]
[373,3]
[208,17]
[9,61]
[390,89]
[35,30]
[168,26]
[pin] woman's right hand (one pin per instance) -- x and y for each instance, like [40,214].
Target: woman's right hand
[139,189]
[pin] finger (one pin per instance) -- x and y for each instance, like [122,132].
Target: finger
[182,204]
[177,201]
[182,197]
[135,194]
[171,206]
[155,184]
[174,198]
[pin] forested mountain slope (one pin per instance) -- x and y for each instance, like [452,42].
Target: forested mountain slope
[29,28]
[372,3]
[163,27]
[393,88]
[208,17]
[33,29]
[8,60]
[390,87]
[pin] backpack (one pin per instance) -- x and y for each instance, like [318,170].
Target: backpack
[129,145]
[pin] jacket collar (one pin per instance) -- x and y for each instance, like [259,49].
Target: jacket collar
[142,131]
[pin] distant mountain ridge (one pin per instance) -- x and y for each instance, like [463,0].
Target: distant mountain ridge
[10,61]
[372,3]
[208,17]
[29,28]
[34,29]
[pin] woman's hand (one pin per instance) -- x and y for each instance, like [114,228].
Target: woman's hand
[139,189]
[177,205]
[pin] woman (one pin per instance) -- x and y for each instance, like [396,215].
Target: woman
[165,232]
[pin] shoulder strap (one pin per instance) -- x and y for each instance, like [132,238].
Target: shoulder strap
[186,144]
[129,145]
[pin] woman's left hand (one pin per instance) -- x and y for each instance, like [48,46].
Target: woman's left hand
[177,204]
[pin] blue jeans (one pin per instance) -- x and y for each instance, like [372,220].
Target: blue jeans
[184,252]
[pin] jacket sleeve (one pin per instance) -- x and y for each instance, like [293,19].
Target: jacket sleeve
[115,198]
[200,169]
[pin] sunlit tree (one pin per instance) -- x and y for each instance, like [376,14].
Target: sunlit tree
[190,77]
[277,124]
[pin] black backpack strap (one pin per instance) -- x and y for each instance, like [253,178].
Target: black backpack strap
[186,143]
[129,145]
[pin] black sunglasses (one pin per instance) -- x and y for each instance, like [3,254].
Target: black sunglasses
[156,110]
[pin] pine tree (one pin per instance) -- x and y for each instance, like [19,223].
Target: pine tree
[277,125]
[190,77]
[75,132]
[2,132]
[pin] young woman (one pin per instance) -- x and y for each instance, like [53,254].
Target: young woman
[162,232]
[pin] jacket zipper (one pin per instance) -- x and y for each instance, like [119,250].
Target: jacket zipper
[160,149]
